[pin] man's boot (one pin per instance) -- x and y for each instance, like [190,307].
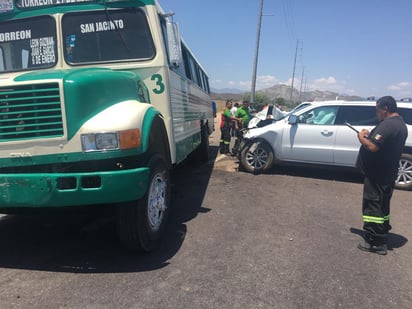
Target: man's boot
[380,249]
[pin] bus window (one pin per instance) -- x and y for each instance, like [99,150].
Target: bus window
[103,36]
[28,43]
[186,55]
[193,70]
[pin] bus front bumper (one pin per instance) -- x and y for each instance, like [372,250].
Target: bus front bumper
[38,190]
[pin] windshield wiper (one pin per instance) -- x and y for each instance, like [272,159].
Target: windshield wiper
[121,36]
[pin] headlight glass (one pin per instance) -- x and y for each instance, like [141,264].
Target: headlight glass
[100,141]
[127,139]
[107,141]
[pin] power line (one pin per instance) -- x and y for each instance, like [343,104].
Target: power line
[289,20]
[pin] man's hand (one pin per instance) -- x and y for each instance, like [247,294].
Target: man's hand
[364,133]
[364,140]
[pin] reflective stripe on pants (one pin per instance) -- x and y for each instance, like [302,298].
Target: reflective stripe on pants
[375,209]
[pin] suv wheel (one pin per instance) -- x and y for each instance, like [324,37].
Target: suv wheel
[257,157]
[404,179]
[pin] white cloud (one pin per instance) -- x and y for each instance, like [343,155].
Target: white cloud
[266,81]
[245,85]
[262,81]
[331,84]
[289,82]
[324,83]
[402,89]
[400,86]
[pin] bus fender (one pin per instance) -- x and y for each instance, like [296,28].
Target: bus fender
[154,136]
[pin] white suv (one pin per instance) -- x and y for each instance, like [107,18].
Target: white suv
[317,134]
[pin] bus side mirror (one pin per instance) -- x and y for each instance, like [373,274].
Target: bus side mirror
[293,119]
[173,43]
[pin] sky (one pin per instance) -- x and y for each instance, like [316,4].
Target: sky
[352,47]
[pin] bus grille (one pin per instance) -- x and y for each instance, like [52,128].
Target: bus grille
[30,111]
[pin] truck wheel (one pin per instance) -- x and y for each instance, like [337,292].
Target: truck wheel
[257,157]
[141,224]
[404,179]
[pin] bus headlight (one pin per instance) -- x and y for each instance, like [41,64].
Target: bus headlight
[106,141]
[111,140]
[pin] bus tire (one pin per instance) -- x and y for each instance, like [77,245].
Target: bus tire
[203,149]
[141,224]
[201,153]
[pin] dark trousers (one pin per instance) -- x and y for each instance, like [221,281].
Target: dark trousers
[225,140]
[236,146]
[376,209]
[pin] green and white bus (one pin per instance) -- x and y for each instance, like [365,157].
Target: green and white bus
[99,99]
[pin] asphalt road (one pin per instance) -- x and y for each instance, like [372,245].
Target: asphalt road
[286,239]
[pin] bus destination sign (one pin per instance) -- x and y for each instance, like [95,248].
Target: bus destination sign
[42,3]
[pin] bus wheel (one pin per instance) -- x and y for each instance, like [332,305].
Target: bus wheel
[141,224]
[201,153]
[204,145]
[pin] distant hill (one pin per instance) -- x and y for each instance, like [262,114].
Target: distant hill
[283,91]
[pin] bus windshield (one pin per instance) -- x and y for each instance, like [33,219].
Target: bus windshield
[104,36]
[28,44]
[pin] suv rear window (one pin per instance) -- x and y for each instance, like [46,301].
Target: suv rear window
[357,115]
[406,114]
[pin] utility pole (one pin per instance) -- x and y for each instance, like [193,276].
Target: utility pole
[252,94]
[294,67]
[301,84]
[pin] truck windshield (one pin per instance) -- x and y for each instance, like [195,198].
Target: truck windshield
[106,36]
[28,44]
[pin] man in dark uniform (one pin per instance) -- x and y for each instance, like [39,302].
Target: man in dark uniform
[379,161]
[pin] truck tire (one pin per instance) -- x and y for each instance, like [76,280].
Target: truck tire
[257,157]
[141,224]
[404,179]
